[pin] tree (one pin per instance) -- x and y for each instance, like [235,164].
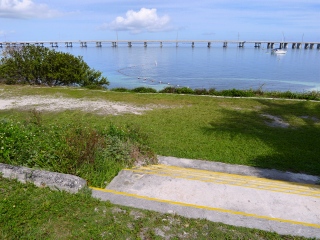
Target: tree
[40,65]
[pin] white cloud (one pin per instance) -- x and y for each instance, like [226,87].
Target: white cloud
[25,9]
[141,21]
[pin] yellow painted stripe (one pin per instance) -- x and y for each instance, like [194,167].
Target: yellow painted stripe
[208,208]
[228,176]
[161,166]
[237,176]
[231,179]
[212,178]
[259,187]
[228,181]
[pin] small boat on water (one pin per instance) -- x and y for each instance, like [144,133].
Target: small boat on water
[279,51]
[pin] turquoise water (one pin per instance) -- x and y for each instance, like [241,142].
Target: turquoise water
[201,67]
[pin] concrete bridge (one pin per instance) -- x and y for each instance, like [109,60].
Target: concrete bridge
[130,43]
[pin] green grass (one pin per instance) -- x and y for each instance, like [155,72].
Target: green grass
[229,130]
[28,212]
[95,153]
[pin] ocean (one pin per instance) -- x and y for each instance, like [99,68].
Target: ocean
[201,67]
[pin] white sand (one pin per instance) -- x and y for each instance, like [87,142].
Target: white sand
[44,103]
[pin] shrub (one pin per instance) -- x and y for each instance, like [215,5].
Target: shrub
[121,89]
[144,90]
[168,90]
[74,148]
[201,91]
[212,91]
[184,90]
[40,65]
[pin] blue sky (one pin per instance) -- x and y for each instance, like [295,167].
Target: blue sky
[46,20]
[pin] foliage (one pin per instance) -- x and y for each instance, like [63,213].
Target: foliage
[120,89]
[230,130]
[144,90]
[37,65]
[179,90]
[237,93]
[75,148]
[28,212]
[312,95]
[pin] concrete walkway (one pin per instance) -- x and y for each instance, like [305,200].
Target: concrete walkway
[242,200]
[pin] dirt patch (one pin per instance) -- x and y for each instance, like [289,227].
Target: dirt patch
[42,103]
[275,121]
[314,119]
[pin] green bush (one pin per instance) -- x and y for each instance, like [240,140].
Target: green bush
[144,90]
[37,65]
[120,89]
[168,90]
[184,90]
[76,148]
[236,93]
[212,91]
[201,91]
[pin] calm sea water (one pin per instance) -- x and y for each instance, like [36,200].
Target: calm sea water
[201,67]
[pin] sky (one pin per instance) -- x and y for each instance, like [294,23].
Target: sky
[248,20]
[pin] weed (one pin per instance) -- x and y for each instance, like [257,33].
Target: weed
[74,148]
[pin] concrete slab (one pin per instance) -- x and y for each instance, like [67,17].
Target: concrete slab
[239,169]
[41,178]
[240,200]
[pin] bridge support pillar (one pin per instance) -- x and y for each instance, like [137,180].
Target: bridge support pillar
[83,44]
[98,44]
[311,45]
[306,45]
[241,44]
[129,44]
[294,45]
[225,44]
[285,45]
[177,44]
[192,44]
[318,46]
[257,45]
[68,44]
[209,44]
[54,44]
[160,44]
[145,44]
[270,45]
[0,45]
[299,45]
[114,44]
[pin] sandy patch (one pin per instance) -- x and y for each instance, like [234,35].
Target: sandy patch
[275,121]
[314,119]
[44,103]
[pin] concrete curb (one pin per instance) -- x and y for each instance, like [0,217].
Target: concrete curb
[40,178]
[239,169]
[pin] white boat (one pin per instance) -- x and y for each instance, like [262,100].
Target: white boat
[279,51]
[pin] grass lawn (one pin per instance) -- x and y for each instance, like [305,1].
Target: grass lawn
[28,212]
[230,130]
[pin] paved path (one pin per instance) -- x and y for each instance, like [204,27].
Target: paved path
[241,200]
